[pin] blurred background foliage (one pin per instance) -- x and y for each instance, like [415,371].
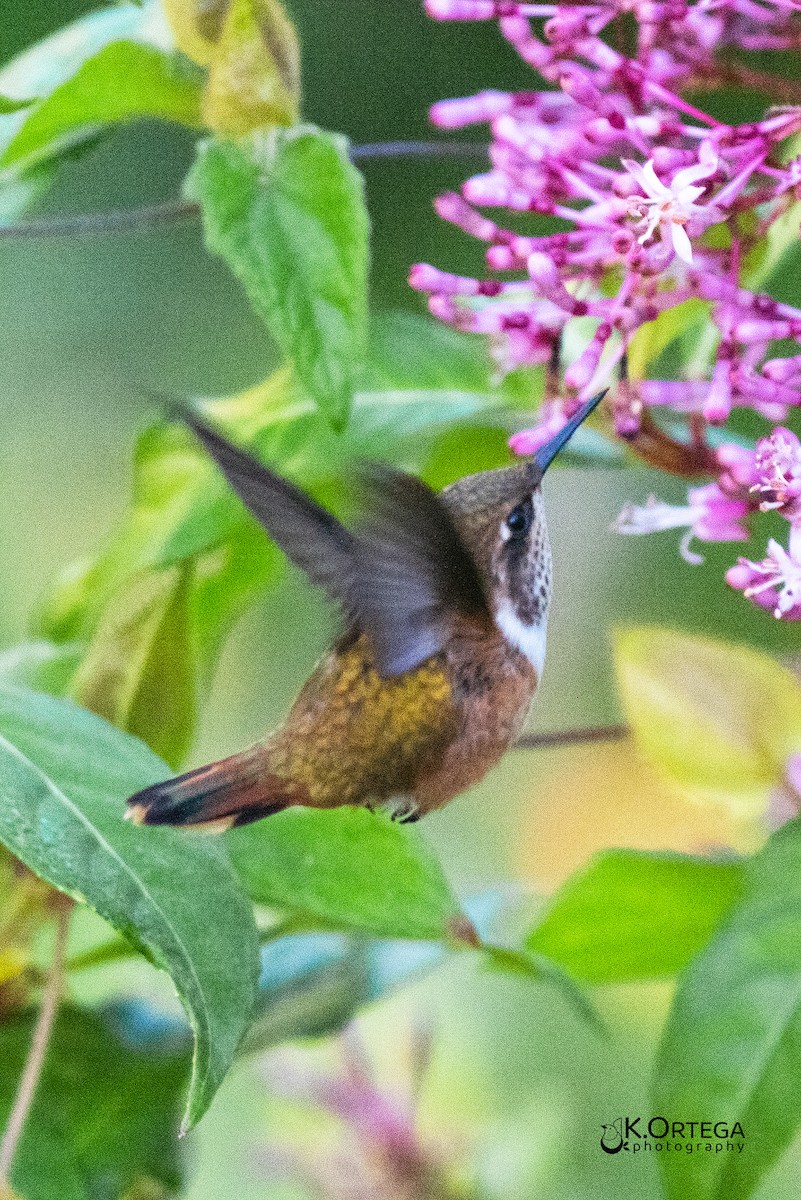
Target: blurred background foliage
[92,326]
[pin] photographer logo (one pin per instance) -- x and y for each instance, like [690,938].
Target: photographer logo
[638,1134]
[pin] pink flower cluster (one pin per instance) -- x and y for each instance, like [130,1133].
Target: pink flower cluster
[381,1154]
[659,204]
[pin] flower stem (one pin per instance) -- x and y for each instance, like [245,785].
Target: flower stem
[571,737]
[38,1048]
[152,216]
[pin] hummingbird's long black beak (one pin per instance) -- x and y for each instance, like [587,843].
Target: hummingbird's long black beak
[547,453]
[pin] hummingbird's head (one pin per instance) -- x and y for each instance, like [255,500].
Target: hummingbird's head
[501,517]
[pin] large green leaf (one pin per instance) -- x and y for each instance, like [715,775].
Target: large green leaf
[732,1047]
[287,214]
[631,915]
[348,869]
[716,718]
[64,775]
[411,351]
[105,1116]
[122,82]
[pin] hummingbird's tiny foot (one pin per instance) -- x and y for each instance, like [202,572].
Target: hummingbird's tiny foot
[405,812]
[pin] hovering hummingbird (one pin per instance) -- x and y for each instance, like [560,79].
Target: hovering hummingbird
[445,602]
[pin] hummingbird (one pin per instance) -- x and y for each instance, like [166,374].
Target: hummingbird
[445,601]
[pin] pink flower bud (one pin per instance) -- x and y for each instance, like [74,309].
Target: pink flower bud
[460,10]
[455,114]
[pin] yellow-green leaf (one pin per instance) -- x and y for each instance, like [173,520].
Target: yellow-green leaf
[138,671]
[251,50]
[196,26]
[655,336]
[254,76]
[716,718]
[122,82]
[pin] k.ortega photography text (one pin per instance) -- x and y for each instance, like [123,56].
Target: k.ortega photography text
[636,1134]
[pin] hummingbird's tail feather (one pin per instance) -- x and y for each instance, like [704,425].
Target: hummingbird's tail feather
[234,791]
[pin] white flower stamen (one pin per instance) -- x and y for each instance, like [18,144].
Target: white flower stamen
[666,208]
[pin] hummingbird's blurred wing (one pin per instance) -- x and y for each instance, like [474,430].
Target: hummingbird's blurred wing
[400,576]
[310,536]
[413,573]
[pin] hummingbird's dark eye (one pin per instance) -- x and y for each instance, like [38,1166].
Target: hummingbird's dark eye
[519,520]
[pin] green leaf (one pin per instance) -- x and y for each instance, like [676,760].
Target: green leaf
[348,869]
[104,1117]
[537,968]
[183,507]
[46,65]
[43,67]
[64,775]
[138,671]
[715,718]
[20,190]
[408,351]
[226,580]
[9,105]
[732,1047]
[122,82]
[288,216]
[632,915]
[312,985]
[778,248]
[42,666]
[653,338]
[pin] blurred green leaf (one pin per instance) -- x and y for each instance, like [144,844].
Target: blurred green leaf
[42,68]
[104,1116]
[64,775]
[183,507]
[716,718]
[312,985]
[42,666]
[653,338]
[632,915]
[122,82]
[60,615]
[415,352]
[180,508]
[732,1047]
[536,967]
[288,216]
[9,105]
[398,426]
[19,191]
[348,869]
[776,251]
[138,671]
[226,579]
